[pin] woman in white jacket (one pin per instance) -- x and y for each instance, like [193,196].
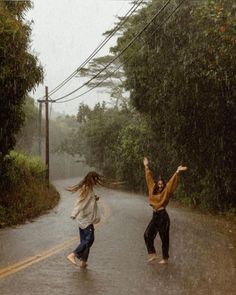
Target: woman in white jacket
[86,212]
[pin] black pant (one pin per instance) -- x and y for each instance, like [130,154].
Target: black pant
[160,223]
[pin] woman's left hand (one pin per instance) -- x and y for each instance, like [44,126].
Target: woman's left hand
[181,168]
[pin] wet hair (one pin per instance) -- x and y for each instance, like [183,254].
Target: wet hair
[89,181]
[156,188]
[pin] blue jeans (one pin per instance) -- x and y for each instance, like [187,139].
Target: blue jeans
[86,241]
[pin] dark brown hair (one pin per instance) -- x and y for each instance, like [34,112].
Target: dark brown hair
[156,189]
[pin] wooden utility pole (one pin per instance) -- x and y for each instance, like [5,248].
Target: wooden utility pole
[47,135]
[39,128]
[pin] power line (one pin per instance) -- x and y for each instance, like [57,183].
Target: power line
[116,57]
[100,46]
[95,86]
[99,83]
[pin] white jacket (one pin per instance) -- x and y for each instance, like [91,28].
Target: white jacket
[86,211]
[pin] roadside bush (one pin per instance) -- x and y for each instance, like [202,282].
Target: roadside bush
[24,193]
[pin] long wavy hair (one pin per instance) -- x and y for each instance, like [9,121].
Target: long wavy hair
[89,181]
[156,188]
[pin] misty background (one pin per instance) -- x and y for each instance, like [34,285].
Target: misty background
[64,34]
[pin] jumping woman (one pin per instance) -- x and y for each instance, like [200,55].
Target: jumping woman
[159,194]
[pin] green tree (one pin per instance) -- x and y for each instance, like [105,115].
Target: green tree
[20,71]
[96,138]
[136,140]
[111,79]
[183,78]
[101,132]
[27,136]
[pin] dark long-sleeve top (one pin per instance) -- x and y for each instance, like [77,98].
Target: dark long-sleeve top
[160,200]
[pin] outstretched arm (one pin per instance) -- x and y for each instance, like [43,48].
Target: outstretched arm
[172,183]
[148,175]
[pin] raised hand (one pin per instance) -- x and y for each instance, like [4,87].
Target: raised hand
[145,161]
[181,168]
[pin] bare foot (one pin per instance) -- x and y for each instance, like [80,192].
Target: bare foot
[152,257]
[163,261]
[83,264]
[71,258]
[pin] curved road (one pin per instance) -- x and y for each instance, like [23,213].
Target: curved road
[202,252]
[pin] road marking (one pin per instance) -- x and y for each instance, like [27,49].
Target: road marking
[11,269]
[34,259]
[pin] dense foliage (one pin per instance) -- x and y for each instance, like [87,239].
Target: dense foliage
[184,80]
[97,135]
[181,77]
[19,70]
[25,194]
[23,191]
[114,85]
[114,141]
[26,139]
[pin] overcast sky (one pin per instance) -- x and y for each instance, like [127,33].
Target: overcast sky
[64,34]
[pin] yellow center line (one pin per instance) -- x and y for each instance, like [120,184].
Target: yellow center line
[34,259]
[11,269]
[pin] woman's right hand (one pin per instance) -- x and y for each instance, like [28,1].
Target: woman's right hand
[145,161]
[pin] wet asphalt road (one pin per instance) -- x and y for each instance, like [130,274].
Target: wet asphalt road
[202,252]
